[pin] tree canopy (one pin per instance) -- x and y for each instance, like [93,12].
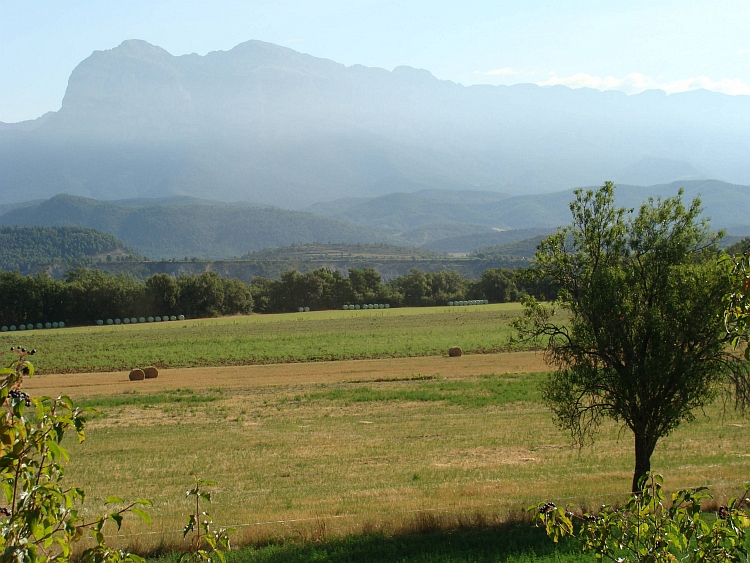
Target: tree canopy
[642,340]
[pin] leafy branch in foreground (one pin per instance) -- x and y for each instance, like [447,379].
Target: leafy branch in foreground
[646,530]
[40,519]
[205,543]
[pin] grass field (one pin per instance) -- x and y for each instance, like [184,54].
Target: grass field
[264,339]
[421,457]
[315,452]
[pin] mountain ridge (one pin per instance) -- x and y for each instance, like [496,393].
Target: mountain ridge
[267,124]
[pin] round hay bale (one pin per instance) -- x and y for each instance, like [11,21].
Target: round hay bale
[455,351]
[356,307]
[141,319]
[136,374]
[12,327]
[346,307]
[157,319]
[387,306]
[307,309]
[151,372]
[150,319]
[450,303]
[99,322]
[133,321]
[4,329]
[126,321]
[117,321]
[55,325]
[61,324]
[181,317]
[21,327]
[47,325]
[172,318]
[39,325]
[110,321]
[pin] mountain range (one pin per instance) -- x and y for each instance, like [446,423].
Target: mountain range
[437,220]
[267,124]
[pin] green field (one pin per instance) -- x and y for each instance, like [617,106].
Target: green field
[409,458]
[264,339]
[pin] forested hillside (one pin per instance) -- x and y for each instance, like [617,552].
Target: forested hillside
[24,247]
[179,230]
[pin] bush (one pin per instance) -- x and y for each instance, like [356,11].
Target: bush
[40,521]
[646,530]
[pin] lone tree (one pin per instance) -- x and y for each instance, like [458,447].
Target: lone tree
[643,341]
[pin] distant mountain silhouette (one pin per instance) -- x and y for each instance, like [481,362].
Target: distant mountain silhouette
[267,124]
[442,221]
[725,204]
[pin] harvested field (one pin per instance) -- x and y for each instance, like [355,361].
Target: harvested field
[82,385]
[328,448]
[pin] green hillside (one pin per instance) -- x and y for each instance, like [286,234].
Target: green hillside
[428,234]
[470,243]
[341,251]
[175,231]
[726,204]
[21,248]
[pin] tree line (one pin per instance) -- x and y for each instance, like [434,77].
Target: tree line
[23,247]
[87,295]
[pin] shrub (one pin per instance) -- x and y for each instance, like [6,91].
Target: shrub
[646,530]
[40,521]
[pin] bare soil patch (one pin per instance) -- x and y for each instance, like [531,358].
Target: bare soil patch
[82,385]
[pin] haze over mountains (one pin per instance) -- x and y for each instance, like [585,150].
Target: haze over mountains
[266,124]
[439,220]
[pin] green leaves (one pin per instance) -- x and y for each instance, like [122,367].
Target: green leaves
[640,340]
[646,529]
[40,521]
[207,545]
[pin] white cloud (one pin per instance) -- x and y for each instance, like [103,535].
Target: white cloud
[742,52]
[635,83]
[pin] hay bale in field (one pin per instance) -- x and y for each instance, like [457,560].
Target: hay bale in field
[151,372]
[455,351]
[136,374]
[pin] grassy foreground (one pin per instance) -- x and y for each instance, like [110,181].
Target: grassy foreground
[510,543]
[375,452]
[411,457]
[265,339]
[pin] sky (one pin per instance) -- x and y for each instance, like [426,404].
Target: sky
[628,45]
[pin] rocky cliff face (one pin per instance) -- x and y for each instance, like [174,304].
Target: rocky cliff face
[265,123]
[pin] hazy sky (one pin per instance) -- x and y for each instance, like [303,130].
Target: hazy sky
[629,45]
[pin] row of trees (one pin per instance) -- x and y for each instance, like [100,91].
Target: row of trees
[87,295]
[327,289]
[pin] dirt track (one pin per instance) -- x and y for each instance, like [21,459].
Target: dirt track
[104,384]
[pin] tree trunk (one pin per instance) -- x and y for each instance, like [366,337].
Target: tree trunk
[644,447]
